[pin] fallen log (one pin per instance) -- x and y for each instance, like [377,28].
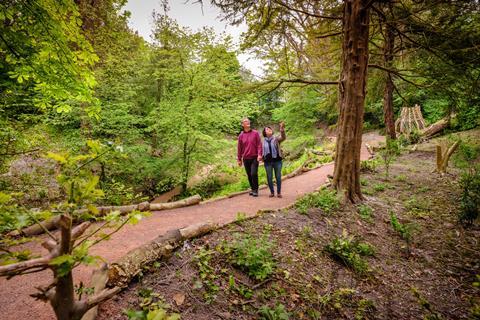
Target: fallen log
[121,272]
[435,128]
[50,224]
[176,204]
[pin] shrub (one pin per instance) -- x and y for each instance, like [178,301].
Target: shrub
[325,199]
[470,199]
[389,153]
[369,165]
[252,255]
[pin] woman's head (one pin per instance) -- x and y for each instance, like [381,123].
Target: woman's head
[267,132]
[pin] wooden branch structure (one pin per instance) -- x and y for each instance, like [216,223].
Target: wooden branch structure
[443,155]
[411,119]
[51,223]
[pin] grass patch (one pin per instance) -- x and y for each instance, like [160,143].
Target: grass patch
[252,255]
[350,252]
[365,212]
[325,199]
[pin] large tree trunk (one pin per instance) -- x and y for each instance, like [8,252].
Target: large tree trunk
[352,86]
[388,91]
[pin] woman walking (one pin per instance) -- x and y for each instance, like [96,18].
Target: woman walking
[272,157]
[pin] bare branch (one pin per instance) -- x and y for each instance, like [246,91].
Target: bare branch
[19,267]
[79,230]
[397,74]
[102,296]
[328,35]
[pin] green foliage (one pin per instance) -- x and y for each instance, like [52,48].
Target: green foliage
[378,187]
[365,212]
[46,59]
[207,275]
[153,306]
[277,313]
[325,199]
[242,290]
[350,252]
[15,217]
[467,153]
[404,230]
[369,165]
[389,154]
[253,255]
[426,306]
[470,198]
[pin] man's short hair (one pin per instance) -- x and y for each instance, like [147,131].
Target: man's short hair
[245,119]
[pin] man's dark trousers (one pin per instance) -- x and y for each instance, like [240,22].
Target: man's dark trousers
[251,167]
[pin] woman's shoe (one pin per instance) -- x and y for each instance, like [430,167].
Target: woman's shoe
[279,196]
[271,195]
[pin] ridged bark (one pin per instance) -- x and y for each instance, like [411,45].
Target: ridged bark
[352,91]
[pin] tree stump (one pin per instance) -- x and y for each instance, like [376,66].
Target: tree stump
[411,119]
[443,155]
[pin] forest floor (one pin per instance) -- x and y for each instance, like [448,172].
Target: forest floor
[430,275]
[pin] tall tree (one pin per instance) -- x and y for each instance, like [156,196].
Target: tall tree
[352,86]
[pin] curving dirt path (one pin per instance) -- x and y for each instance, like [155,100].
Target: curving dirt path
[15,302]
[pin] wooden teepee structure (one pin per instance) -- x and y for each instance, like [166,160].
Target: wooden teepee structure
[411,119]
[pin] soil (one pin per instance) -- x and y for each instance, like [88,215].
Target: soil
[431,276]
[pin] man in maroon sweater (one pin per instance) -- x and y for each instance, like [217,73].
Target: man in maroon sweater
[249,150]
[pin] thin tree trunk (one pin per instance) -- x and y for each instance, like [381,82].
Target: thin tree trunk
[388,91]
[352,86]
[64,299]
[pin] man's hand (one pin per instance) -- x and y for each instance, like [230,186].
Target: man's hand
[259,158]
[239,163]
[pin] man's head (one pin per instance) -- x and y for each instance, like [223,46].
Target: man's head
[246,124]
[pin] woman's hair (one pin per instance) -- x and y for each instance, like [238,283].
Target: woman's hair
[264,131]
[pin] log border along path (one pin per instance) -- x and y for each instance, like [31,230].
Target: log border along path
[15,300]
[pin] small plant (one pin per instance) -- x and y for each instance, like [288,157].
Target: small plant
[153,307]
[363,182]
[389,154]
[153,314]
[277,313]
[207,274]
[379,187]
[241,216]
[417,206]
[431,314]
[369,165]
[365,212]
[252,255]
[401,178]
[349,251]
[325,199]
[242,290]
[404,230]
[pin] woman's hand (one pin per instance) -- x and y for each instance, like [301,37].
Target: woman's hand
[282,125]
